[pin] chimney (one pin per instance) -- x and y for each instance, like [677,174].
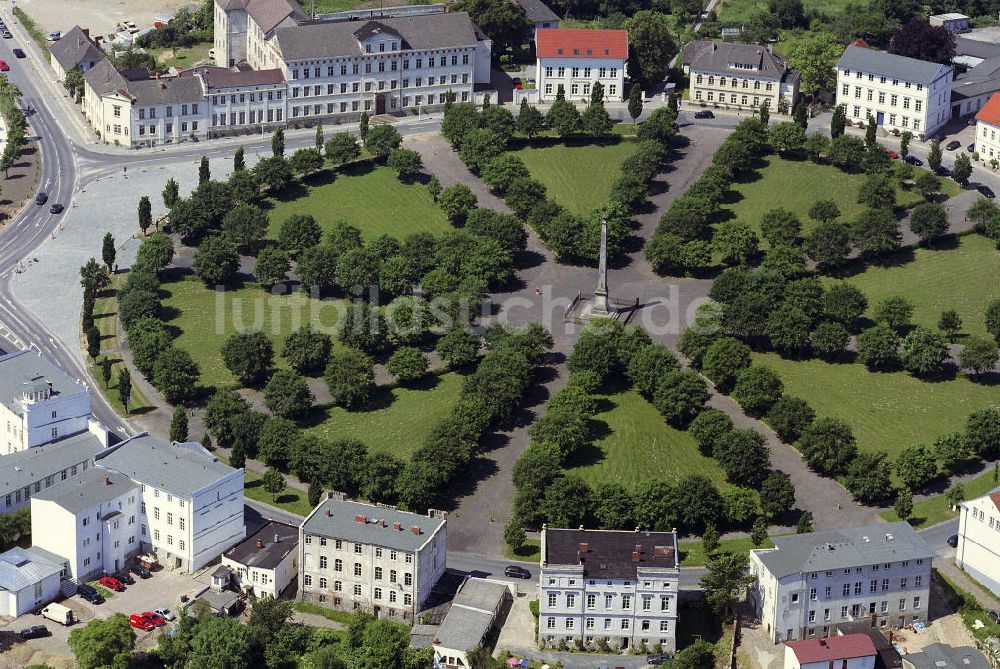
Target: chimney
[381,521]
[415,529]
[329,513]
[397,526]
[105,480]
[361,519]
[635,556]
[260,544]
[822,642]
[584,547]
[275,537]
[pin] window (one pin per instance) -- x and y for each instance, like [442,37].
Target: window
[570,599]
[795,597]
[917,580]
[180,543]
[357,569]
[885,584]
[812,592]
[843,611]
[378,593]
[625,623]
[902,583]
[569,623]
[338,565]
[626,602]
[170,518]
[826,592]
[916,602]
[407,600]
[902,604]
[322,562]
[857,588]
[322,581]
[664,603]
[550,623]
[591,601]
[357,549]
[357,590]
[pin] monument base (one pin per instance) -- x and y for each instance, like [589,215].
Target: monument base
[593,310]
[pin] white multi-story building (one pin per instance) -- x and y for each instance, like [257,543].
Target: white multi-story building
[743,76]
[978,549]
[265,563]
[617,586]
[809,584]
[29,472]
[192,504]
[900,93]
[39,403]
[75,49]
[93,521]
[577,59]
[371,557]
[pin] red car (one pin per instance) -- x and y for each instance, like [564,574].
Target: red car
[140,622]
[154,618]
[4,67]
[892,154]
[111,582]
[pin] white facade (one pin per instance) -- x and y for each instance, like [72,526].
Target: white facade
[577,76]
[92,521]
[265,563]
[809,584]
[362,556]
[28,580]
[902,94]
[978,550]
[952,21]
[630,600]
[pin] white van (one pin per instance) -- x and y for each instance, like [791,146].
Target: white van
[59,613]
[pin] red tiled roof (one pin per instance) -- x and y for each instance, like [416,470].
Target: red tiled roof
[996,496]
[861,43]
[990,113]
[832,648]
[557,43]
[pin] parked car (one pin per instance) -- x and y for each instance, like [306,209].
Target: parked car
[131,27]
[705,113]
[514,571]
[41,198]
[35,632]
[913,160]
[54,36]
[659,659]
[4,67]
[56,208]
[125,578]
[112,583]
[518,84]
[953,144]
[994,616]
[971,148]
[892,154]
[166,614]
[90,594]
[58,613]
[140,621]
[6,34]
[155,618]
[953,541]
[971,121]
[140,571]
[985,191]
[19,53]
[943,171]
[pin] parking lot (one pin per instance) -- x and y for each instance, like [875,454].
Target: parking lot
[162,590]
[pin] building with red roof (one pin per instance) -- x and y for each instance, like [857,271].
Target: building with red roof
[978,549]
[851,651]
[577,59]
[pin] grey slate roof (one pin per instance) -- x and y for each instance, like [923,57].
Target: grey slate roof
[977,48]
[982,79]
[34,464]
[272,553]
[223,77]
[87,490]
[471,614]
[20,569]
[332,39]
[848,547]
[268,14]
[609,552]
[179,468]
[74,48]
[177,90]
[721,57]
[343,522]
[890,65]
[25,369]
[105,78]
[538,12]
[941,656]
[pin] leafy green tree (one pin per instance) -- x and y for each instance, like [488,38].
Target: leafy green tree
[652,46]
[93,342]
[647,367]
[350,376]
[382,140]
[846,151]
[816,59]
[287,394]
[789,416]
[220,643]
[273,482]
[934,156]
[709,428]
[878,347]
[777,494]
[278,142]
[314,494]
[530,121]
[743,455]
[364,124]
[725,582]
[175,374]
[407,364]
[757,389]
[276,441]
[204,174]
[928,184]
[272,267]
[249,356]
[978,355]
[299,232]
[928,220]
[828,445]
[869,478]
[124,387]
[363,327]
[507,26]
[216,262]
[567,501]
[982,432]
[916,467]
[924,352]
[710,539]
[108,251]
[239,160]
[660,126]
[595,120]
[724,360]
[179,425]
[758,535]
[459,347]
[962,169]
[837,122]
[830,340]
[245,225]
[634,102]
[805,524]
[480,146]
[305,161]
[903,506]
[341,148]
[787,137]
[155,251]
[563,117]
[457,201]
[895,311]
[106,371]
[101,643]
[950,324]
[145,214]
[828,243]
[735,242]
[680,396]
[307,350]
[406,162]
[274,173]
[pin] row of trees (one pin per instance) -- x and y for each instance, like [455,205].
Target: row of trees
[268,639]
[17,124]
[604,355]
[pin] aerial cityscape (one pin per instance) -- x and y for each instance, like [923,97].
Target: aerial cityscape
[343,334]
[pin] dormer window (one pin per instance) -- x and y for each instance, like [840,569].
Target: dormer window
[590,52]
[559,51]
[576,52]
